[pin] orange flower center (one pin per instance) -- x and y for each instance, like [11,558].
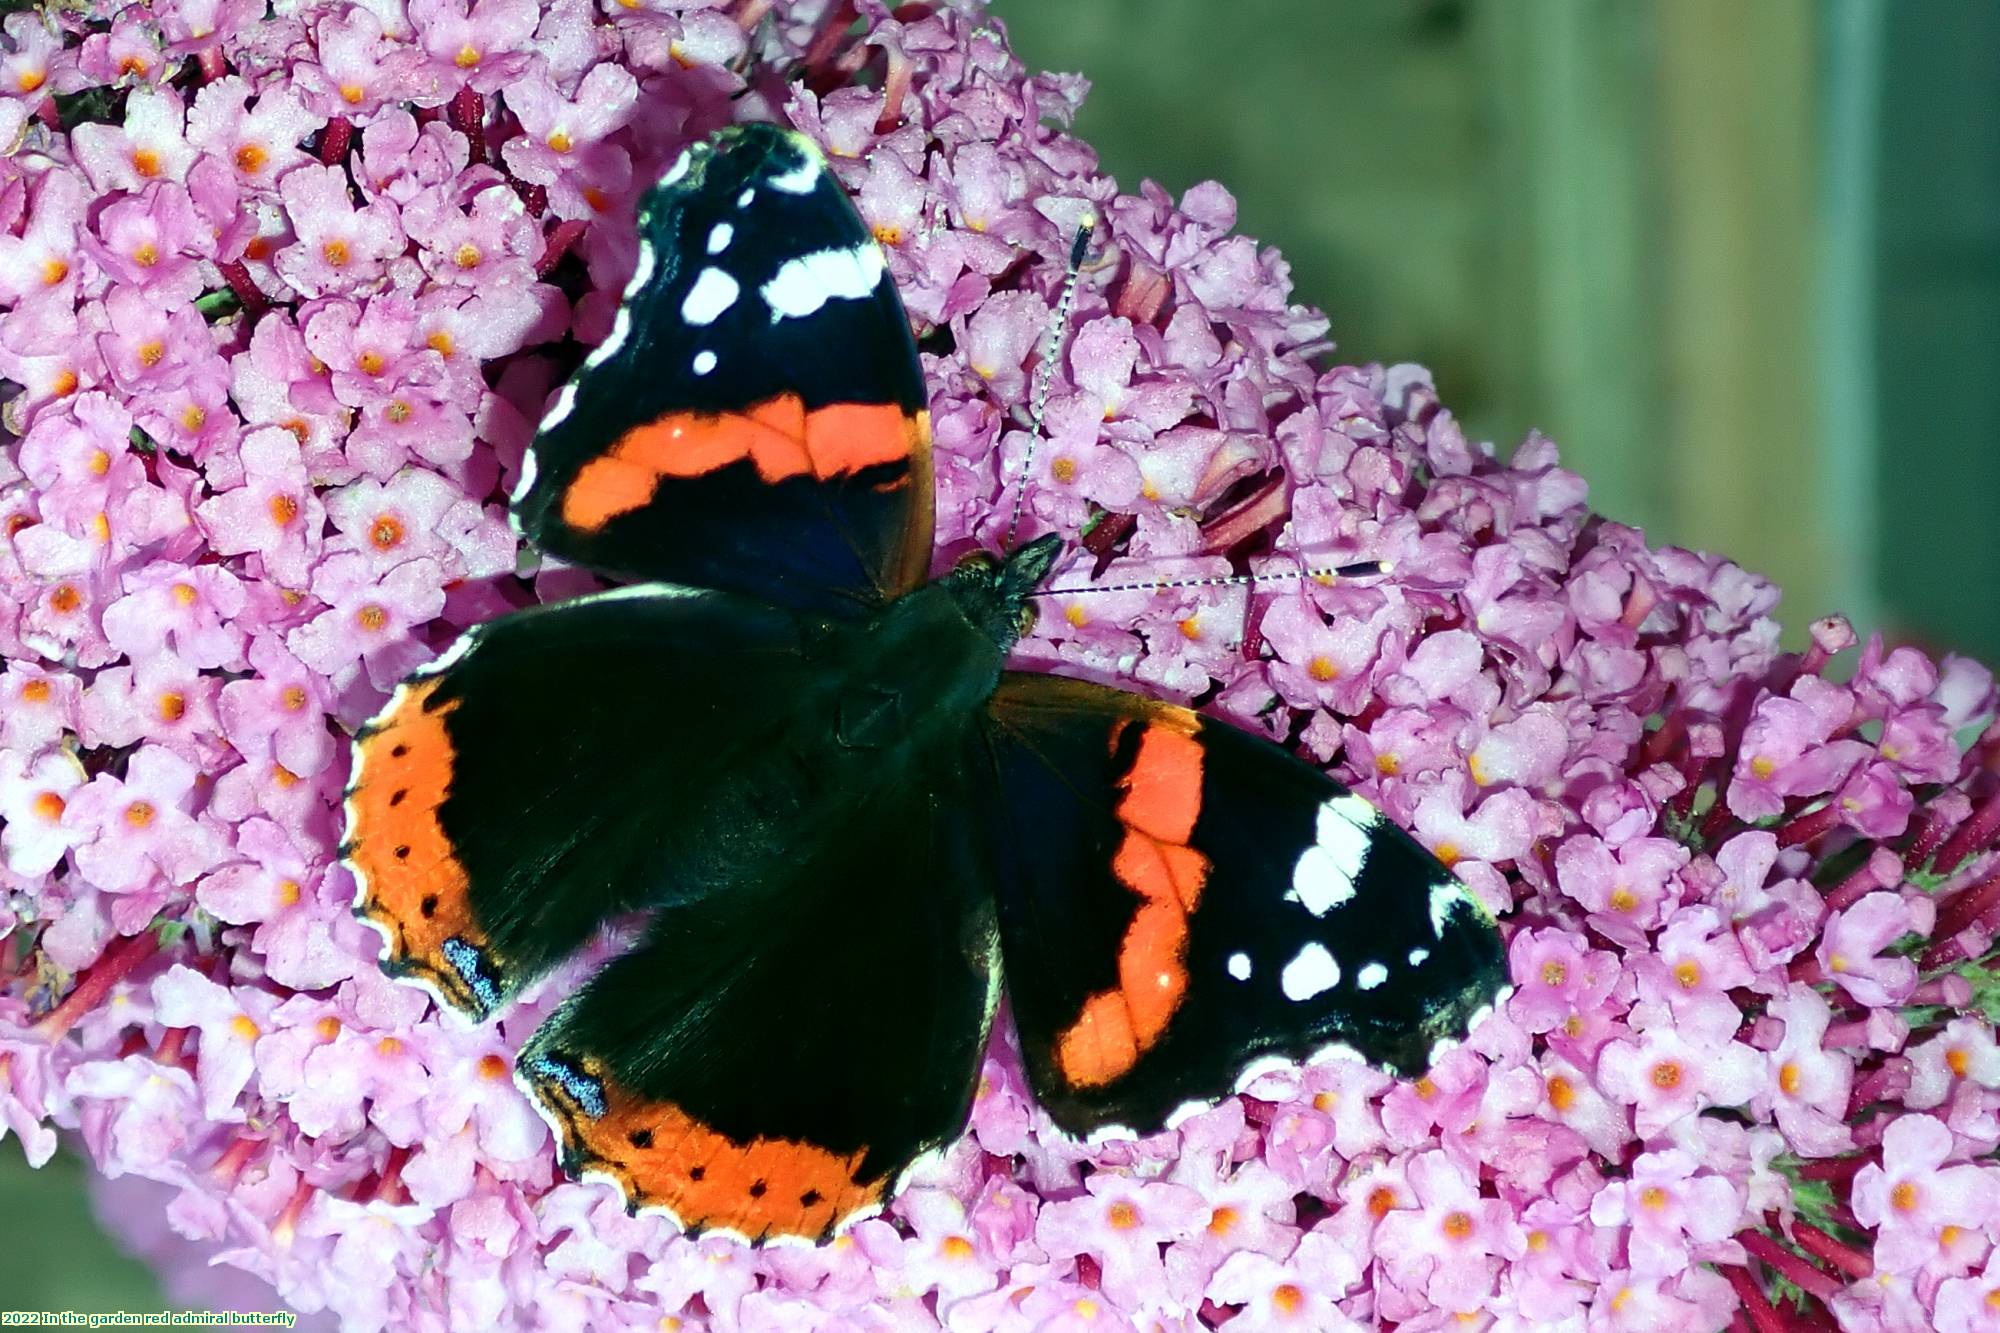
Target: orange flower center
[1063,470]
[559,142]
[387,534]
[146,162]
[466,256]
[398,412]
[371,618]
[251,158]
[295,697]
[1958,1060]
[371,362]
[146,255]
[30,79]
[36,691]
[1623,899]
[151,353]
[956,1247]
[1789,1078]
[1458,1224]
[441,343]
[49,806]
[1554,974]
[467,57]
[65,599]
[173,706]
[336,252]
[1380,1200]
[139,814]
[1222,1221]
[54,270]
[1653,1198]
[1688,973]
[283,509]
[492,1067]
[193,417]
[1667,1074]
[1287,1297]
[1123,1216]
[352,93]
[64,384]
[1562,1094]
[289,892]
[1322,668]
[1904,1198]
[245,1027]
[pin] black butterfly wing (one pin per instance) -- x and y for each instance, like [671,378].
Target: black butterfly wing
[757,419]
[535,780]
[770,1062]
[1179,898]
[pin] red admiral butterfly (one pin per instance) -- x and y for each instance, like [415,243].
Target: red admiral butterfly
[847,818]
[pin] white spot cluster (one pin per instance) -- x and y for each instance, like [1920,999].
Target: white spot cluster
[1370,976]
[704,361]
[1311,972]
[803,285]
[1239,966]
[1417,957]
[719,237]
[713,292]
[1326,873]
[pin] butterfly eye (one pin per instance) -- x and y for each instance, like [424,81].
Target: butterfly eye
[1025,618]
[981,562]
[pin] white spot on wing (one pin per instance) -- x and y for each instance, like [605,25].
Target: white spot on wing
[528,464]
[704,361]
[1311,971]
[743,200]
[803,285]
[1444,900]
[800,179]
[1370,976]
[1325,875]
[1355,810]
[679,168]
[1417,957]
[564,404]
[1239,966]
[713,292]
[719,236]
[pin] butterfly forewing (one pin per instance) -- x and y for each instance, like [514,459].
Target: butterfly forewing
[756,419]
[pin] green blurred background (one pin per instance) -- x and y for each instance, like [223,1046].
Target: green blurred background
[1741,260]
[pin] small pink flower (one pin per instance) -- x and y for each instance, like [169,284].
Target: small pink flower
[33,795]
[1121,1223]
[1672,1070]
[1448,1249]
[151,145]
[1674,1216]
[1807,1087]
[1912,1195]
[1850,950]
[340,248]
[137,829]
[368,618]
[262,144]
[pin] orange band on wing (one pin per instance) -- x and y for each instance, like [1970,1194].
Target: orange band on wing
[415,886]
[778,436]
[1161,804]
[662,1157]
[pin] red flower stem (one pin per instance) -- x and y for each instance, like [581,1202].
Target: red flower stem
[1933,823]
[1660,743]
[234,1158]
[467,115]
[169,1050]
[557,244]
[1142,294]
[1267,504]
[116,963]
[1740,1323]
[1888,1080]
[1810,825]
[1755,1307]
[1837,1171]
[335,140]
[287,1224]
[237,274]
[895,87]
[1974,835]
[1860,884]
[1796,1270]
[1953,950]
[752,13]
[1718,818]
[832,32]
[389,1188]
[534,198]
[212,66]
[1829,1248]
[1965,907]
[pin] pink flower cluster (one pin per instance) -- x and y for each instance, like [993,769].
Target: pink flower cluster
[283,297]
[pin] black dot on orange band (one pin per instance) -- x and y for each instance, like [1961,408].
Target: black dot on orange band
[757,1189]
[809,1198]
[697,1172]
[641,1138]
[429,905]
[399,750]
[403,852]
[396,798]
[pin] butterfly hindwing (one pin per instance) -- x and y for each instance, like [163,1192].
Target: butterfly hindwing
[535,781]
[1178,898]
[768,1062]
[756,420]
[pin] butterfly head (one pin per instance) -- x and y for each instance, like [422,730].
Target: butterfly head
[994,591]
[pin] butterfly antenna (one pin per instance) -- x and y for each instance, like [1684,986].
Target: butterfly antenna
[1078,248]
[1362,569]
